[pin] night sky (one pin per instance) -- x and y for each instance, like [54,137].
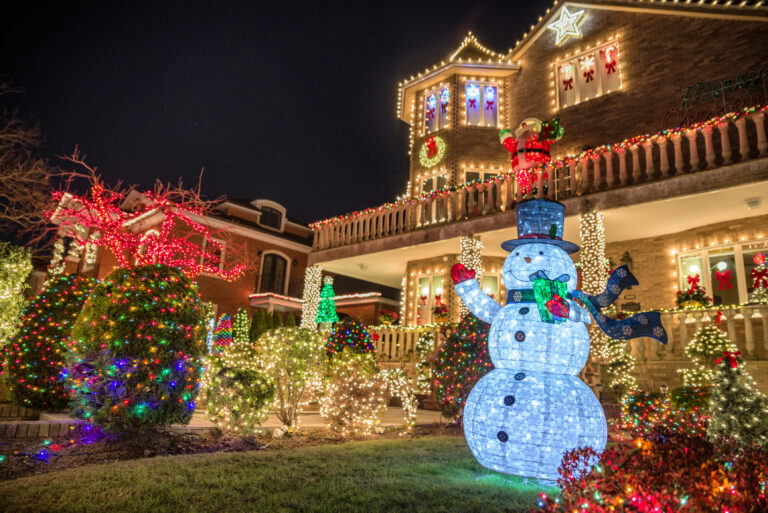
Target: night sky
[294,103]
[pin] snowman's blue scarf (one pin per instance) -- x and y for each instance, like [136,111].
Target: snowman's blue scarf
[647,324]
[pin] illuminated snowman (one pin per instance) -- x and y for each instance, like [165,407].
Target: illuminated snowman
[522,416]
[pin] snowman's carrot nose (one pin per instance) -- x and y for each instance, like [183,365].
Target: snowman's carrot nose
[527,260]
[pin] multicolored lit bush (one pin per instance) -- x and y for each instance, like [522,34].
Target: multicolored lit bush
[460,363]
[135,358]
[643,412]
[663,472]
[348,333]
[35,356]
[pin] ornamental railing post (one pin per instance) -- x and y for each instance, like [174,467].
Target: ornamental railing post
[620,152]
[610,179]
[583,180]
[741,126]
[540,182]
[758,118]
[650,169]
[709,148]
[597,175]
[764,320]
[663,157]
[725,142]
[573,177]
[550,181]
[749,333]
[667,320]
[694,149]
[677,143]
[683,329]
[634,173]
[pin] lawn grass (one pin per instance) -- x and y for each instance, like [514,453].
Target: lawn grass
[411,475]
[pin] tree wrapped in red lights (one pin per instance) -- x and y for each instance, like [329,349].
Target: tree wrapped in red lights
[111,218]
[663,472]
[349,333]
[460,363]
[134,360]
[35,356]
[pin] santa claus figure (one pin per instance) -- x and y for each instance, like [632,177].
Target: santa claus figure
[530,147]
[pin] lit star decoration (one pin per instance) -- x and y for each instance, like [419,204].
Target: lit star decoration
[35,356]
[567,25]
[134,359]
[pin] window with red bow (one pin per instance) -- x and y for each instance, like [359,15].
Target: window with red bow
[587,75]
[482,103]
[437,109]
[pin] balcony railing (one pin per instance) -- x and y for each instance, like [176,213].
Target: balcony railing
[650,158]
[395,343]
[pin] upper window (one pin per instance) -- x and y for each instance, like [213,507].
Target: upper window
[482,103]
[588,75]
[436,104]
[434,183]
[217,251]
[273,269]
[271,217]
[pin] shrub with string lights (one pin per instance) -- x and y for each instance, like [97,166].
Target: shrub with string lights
[236,391]
[35,356]
[460,363]
[704,349]
[241,327]
[739,410]
[15,266]
[135,354]
[664,471]
[349,333]
[293,359]
[354,396]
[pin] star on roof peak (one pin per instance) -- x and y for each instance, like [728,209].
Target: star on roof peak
[567,25]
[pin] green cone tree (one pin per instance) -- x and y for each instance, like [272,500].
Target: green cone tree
[326,312]
[739,411]
[704,349]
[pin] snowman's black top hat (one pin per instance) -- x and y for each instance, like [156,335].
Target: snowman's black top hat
[540,221]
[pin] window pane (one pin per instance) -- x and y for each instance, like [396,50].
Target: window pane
[474,105]
[566,84]
[437,287]
[445,97]
[490,105]
[427,185]
[609,69]
[725,289]
[430,112]
[273,274]
[471,176]
[441,181]
[491,285]
[271,217]
[754,272]
[691,266]
[586,77]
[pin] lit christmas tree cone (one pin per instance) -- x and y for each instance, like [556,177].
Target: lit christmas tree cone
[521,417]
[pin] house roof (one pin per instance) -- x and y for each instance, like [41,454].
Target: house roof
[473,55]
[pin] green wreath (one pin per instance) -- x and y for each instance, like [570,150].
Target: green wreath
[432,161]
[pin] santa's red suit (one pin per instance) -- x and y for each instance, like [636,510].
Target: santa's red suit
[530,147]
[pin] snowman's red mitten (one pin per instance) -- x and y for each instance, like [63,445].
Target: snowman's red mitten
[558,307]
[459,273]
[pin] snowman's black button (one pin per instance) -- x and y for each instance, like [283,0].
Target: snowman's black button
[519,336]
[509,400]
[519,376]
[524,310]
[502,436]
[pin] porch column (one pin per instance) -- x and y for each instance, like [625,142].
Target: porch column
[725,142]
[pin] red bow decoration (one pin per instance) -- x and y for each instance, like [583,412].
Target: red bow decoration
[760,277]
[489,105]
[431,146]
[423,300]
[430,113]
[438,301]
[731,358]
[589,75]
[472,103]
[375,337]
[558,306]
[719,318]
[693,281]
[610,67]
[724,279]
[567,84]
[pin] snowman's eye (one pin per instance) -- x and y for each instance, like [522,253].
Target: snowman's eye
[541,252]
[517,254]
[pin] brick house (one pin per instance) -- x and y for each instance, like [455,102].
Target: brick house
[663,109]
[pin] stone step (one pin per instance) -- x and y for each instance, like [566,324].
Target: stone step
[10,410]
[37,429]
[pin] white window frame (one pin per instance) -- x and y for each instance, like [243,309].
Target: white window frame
[288,261]
[482,84]
[574,61]
[438,115]
[706,279]
[223,256]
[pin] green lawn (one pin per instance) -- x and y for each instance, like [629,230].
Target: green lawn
[419,475]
